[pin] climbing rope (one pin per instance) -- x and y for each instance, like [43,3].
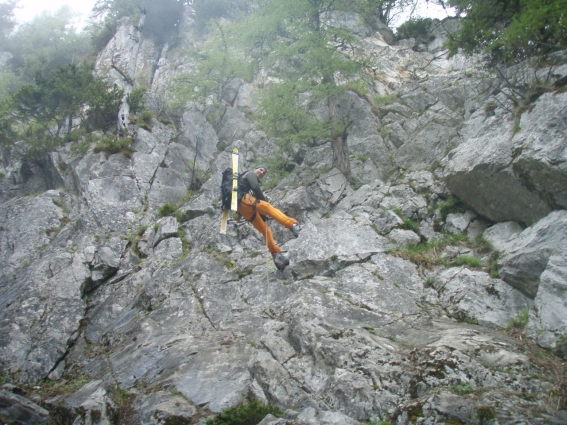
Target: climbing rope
[267,274]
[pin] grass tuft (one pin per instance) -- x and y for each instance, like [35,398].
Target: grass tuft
[247,413]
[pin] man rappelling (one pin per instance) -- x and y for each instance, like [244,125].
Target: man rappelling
[254,206]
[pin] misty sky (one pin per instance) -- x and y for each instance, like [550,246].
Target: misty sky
[27,9]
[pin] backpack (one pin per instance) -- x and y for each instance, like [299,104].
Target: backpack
[226,187]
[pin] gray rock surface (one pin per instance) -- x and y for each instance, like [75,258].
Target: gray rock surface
[18,408]
[467,294]
[540,149]
[509,176]
[502,235]
[164,320]
[535,265]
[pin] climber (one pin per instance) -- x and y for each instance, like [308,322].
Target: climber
[253,205]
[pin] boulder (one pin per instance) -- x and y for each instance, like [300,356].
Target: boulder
[540,149]
[535,264]
[512,177]
[468,294]
[163,407]
[15,408]
[329,243]
[502,235]
[527,258]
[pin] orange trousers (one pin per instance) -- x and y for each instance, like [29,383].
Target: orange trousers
[246,209]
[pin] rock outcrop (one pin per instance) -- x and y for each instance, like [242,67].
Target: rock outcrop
[398,297]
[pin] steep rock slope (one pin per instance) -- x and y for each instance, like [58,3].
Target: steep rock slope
[146,319]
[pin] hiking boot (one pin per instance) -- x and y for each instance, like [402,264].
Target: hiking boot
[280,260]
[295,229]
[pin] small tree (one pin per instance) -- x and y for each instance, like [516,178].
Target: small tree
[417,28]
[7,22]
[70,96]
[216,65]
[205,10]
[161,22]
[45,43]
[510,30]
[135,100]
[69,93]
[384,10]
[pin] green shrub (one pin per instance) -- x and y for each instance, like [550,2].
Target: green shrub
[485,414]
[114,144]
[482,244]
[146,118]
[426,254]
[466,260]
[493,264]
[248,413]
[451,205]
[409,224]
[205,10]
[509,31]
[560,347]
[185,243]
[384,100]
[519,321]
[167,210]
[135,100]
[417,28]
[463,388]
[376,421]
[277,170]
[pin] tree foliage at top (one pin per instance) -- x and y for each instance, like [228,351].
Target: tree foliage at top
[307,59]
[206,10]
[214,67]
[313,61]
[383,10]
[161,23]
[7,22]
[510,30]
[247,413]
[46,42]
[44,113]
[69,93]
[417,28]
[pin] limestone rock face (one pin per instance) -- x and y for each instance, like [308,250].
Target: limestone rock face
[512,177]
[14,406]
[540,151]
[401,303]
[534,265]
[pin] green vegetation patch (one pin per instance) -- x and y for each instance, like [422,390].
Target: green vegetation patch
[466,260]
[452,205]
[485,414]
[114,144]
[516,324]
[135,100]
[167,210]
[247,413]
[524,29]
[409,224]
[427,254]
[384,100]
[417,28]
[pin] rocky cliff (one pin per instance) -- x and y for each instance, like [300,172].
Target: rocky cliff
[428,285]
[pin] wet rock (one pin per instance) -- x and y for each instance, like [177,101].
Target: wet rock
[18,409]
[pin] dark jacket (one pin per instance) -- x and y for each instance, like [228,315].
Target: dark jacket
[249,183]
